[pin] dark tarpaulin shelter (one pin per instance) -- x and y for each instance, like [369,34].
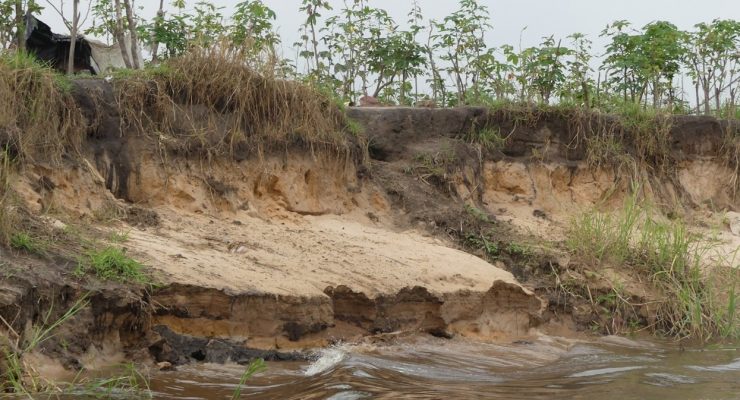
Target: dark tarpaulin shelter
[53,48]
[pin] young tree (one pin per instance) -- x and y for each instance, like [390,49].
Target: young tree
[158,21]
[713,61]
[73,25]
[20,39]
[578,84]
[546,67]
[119,34]
[13,22]
[170,32]
[461,42]
[252,21]
[132,34]
[7,24]
[207,24]
[347,47]
[661,50]
[313,9]
[622,60]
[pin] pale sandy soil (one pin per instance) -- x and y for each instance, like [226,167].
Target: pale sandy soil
[303,256]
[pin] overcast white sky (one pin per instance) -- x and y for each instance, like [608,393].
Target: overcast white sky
[541,17]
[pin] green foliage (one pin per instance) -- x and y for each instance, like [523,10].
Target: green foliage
[545,68]
[518,250]
[119,237]
[460,40]
[578,85]
[172,32]
[713,63]
[17,376]
[489,138]
[255,367]
[640,63]
[476,213]
[24,242]
[433,166]
[354,128]
[28,63]
[695,304]
[12,20]
[309,44]
[360,50]
[482,243]
[104,19]
[252,24]
[112,263]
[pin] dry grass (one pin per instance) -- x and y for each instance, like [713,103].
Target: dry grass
[210,102]
[39,120]
[39,123]
[627,135]
[730,150]
[7,216]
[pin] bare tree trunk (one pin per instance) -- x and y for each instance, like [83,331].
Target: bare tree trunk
[73,37]
[733,93]
[157,26]
[707,99]
[132,31]
[119,34]
[698,102]
[656,93]
[20,25]
[718,98]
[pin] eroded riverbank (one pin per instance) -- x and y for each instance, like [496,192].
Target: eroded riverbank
[274,254]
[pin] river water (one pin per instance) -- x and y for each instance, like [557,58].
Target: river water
[430,368]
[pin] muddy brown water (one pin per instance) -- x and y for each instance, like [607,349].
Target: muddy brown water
[425,368]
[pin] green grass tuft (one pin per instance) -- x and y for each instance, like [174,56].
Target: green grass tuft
[24,242]
[255,367]
[119,237]
[112,263]
[489,138]
[698,286]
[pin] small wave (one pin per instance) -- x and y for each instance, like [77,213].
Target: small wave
[667,380]
[327,359]
[733,366]
[602,371]
[349,396]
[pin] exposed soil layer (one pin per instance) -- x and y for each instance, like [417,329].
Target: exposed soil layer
[265,255]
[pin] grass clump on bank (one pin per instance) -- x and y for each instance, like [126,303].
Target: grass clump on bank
[624,132]
[7,217]
[209,101]
[24,242]
[698,285]
[39,119]
[18,376]
[112,263]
